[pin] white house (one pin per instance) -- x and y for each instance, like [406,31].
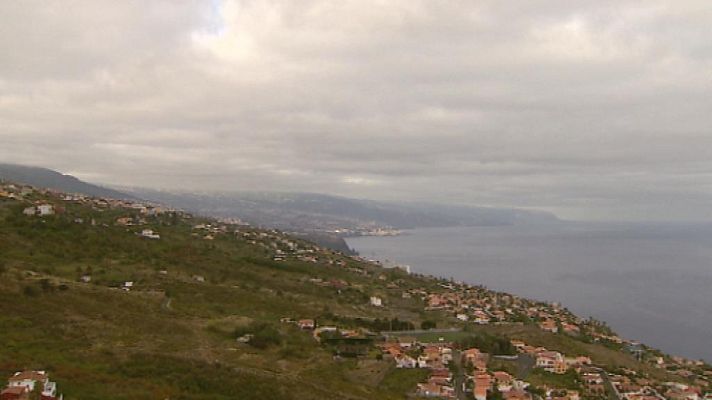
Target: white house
[28,379]
[376,301]
[148,233]
[406,361]
[45,209]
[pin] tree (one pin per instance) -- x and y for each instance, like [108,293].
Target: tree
[428,324]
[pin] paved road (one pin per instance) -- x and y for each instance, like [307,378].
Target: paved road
[420,332]
[458,379]
[610,388]
[525,363]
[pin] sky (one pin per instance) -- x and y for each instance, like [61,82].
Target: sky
[596,109]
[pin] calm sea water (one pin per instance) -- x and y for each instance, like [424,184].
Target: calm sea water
[650,282]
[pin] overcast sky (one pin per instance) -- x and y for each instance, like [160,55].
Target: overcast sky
[590,109]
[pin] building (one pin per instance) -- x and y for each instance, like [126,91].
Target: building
[150,234]
[21,384]
[551,361]
[15,393]
[45,210]
[483,384]
[28,379]
[306,324]
[549,325]
[376,301]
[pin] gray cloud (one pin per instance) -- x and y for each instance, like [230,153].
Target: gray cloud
[588,109]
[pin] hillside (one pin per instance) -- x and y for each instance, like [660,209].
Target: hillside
[123,300]
[47,178]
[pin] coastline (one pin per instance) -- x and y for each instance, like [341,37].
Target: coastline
[579,290]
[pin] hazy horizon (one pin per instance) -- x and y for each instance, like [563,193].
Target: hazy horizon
[590,110]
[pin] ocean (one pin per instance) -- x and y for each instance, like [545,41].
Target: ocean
[649,282]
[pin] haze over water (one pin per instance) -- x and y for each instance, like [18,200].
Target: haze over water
[650,282]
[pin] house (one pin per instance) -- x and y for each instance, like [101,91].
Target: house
[551,361]
[483,384]
[518,344]
[30,211]
[23,383]
[149,234]
[125,221]
[571,329]
[28,379]
[549,325]
[462,317]
[475,358]
[503,380]
[376,301]
[306,324]
[45,209]
[406,361]
[85,278]
[15,393]
[127,286]
[49,392]
[481,318]
[429,390]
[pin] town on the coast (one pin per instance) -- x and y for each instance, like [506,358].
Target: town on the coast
[469,342]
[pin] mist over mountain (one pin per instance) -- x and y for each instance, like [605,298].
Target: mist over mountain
[47,178]
[320,212]
[293,212]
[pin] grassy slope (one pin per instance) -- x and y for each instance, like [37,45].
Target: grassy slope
[171,337]
[101,342]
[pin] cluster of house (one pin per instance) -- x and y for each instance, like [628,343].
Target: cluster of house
[15,191]
[693,370]
[551,361]
[479,305]
[407,352]
[43,208]
[484,382]
[30,384]
[629,386]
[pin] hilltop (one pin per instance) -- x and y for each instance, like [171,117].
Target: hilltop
[47,178]
[121,299]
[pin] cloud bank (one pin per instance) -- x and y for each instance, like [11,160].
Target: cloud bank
[589,109]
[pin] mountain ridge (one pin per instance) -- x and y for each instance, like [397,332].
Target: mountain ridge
[50,179]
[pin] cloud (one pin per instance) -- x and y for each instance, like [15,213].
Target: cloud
[588,109]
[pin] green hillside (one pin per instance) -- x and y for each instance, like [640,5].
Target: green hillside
[113,311]
[171,335]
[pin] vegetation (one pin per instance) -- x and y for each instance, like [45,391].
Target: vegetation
[114,315]
[495,345]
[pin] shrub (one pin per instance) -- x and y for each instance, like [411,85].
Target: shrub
[428,324]
[263,334]
[29,291]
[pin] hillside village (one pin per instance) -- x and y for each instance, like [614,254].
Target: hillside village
[448,339]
